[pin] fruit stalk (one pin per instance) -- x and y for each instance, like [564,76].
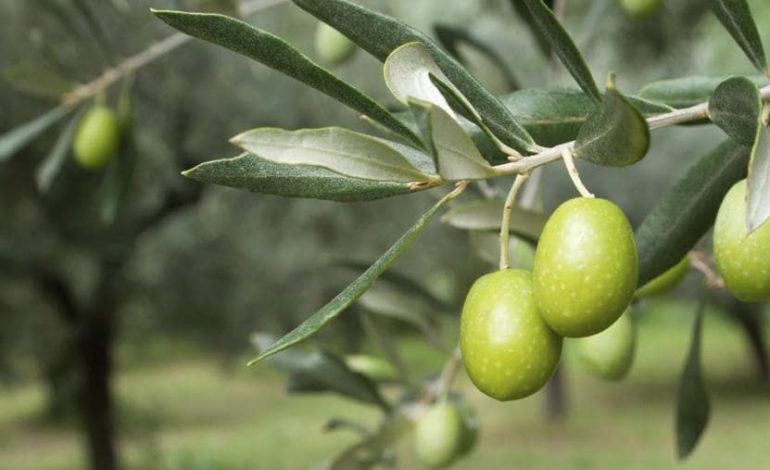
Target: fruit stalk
[506,223]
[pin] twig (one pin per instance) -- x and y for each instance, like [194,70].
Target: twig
[131,64]
[702,262]
[505,226]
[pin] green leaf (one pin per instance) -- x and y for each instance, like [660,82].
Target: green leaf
[687,210]
[456,156]
[343,151]
[452,38]
[615,134]
[692,404]
[116,183]
[735,16]
[38,80]
[351,293]
[758,182]
[50,167]
[407,74]
[370,452]
[687,91]
[321,371]
[735,107]
[487,215]
[16,139]
[563,47]
[380,35]
[281,56]
[252,173]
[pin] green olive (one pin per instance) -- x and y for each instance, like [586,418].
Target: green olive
[97,138]
[470,428]
[438,435]
[666,281]
[508,350]
[742,260]
[586,267]
[372,367]
[640,9]
[332,46]
[609,354]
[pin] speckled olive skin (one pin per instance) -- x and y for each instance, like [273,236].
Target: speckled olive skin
[439,434]
[743,261]
[586,267]
[508,350]
[332,46]
[609,354]
[97,138]
[666,281]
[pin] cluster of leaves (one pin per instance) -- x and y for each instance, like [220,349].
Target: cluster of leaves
[455,130]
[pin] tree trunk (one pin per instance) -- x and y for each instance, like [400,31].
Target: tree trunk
[96,398]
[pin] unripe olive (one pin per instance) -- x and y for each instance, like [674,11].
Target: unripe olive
[742,260]
[332,46]
[586,267]
[666,281]
[508,350]
[609,354]
[470,428]
[640,8]
[97,138]
[371,367]
[438,435]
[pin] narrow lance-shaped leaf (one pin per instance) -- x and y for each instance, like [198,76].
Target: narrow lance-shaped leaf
[340,150]
[563,46]
[687,91]
[616,134]
[50,167]
[487,215]
[692,404]
[36,79]
[687,210]
[735,107]
[16,139]
[252,173]
[456,156]
[321,371]
[758,181]
[407,73]
[380,35]
[452,38]
[276,53]
[736,17]
[541,40]
[371,451]
[351,293]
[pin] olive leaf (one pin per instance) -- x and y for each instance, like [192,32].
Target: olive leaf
[563,46]
[343,151]
[19,137]
[526,16]
[735,107]
[379,35]
[616,134]
[276,53]
[252,173]
[407,74]
[456,156]
[53,163]
[692,404]
[758,181]
[687,210]
[687,91]
[487,215]
[321,371]
[351,293]
[735,16]
[372,450]
[37,79]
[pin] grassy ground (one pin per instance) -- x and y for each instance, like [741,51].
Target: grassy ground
[193,415]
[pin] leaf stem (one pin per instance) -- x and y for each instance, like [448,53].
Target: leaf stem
[548,155]
[506,222]
[155,51]
[569,162]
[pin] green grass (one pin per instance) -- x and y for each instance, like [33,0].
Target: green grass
[192,414]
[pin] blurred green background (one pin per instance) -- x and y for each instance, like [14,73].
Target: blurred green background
[187,284]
